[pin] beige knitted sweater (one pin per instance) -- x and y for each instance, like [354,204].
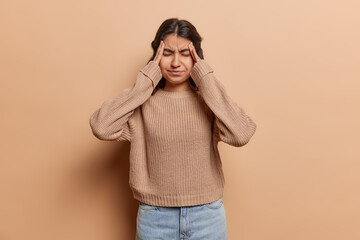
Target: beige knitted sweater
[174,159]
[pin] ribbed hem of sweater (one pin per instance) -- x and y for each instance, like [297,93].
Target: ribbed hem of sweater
[180,200]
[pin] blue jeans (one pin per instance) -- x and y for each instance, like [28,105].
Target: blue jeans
[198,222]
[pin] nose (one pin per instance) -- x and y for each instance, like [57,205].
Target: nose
[175,61]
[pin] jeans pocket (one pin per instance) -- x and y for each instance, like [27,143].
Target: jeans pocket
[215,205]
[145,206]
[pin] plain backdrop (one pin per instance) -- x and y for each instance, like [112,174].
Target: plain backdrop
[293,66]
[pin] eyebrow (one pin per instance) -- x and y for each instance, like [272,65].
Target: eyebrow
[169,50]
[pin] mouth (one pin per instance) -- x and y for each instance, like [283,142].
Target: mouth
[176,73]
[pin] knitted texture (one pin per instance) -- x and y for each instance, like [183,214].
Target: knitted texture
[174,158]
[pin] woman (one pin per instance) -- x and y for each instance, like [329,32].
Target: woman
[174,115]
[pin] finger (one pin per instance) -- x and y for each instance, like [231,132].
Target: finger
[191,48]
[159,51]
[162,47]
[193,52]
[196,55]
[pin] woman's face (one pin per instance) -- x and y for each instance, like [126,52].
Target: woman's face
[176,57]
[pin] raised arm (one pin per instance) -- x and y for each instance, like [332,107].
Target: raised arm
[110,121]
[231,124]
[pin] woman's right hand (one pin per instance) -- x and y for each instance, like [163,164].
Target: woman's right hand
[159,52]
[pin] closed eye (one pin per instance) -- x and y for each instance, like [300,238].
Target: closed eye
[186,55]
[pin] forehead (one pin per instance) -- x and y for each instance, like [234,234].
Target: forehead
[176,42]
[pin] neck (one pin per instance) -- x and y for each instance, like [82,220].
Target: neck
[185,86]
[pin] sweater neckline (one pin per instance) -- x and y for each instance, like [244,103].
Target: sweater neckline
[175,94]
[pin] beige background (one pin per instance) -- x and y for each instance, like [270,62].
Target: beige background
[292,65]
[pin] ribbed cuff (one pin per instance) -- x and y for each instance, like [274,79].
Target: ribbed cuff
[152,71]
[199,70]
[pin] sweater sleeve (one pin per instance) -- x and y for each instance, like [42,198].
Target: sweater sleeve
[111,120]
[231,124]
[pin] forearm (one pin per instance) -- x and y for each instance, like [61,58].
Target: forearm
[108,121]
[232,124]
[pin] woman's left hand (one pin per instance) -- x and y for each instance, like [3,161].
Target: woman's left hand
[194,55]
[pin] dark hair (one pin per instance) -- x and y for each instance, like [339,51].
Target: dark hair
[181,28]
